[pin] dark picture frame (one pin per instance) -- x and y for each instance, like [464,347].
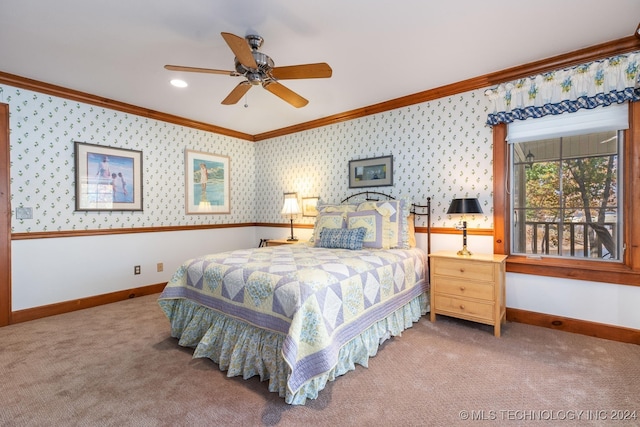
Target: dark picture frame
[372,172]
[208,194]
[107,178]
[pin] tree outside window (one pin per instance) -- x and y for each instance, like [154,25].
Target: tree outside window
[565,196]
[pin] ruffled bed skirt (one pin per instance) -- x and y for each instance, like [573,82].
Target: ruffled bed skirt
[242,349]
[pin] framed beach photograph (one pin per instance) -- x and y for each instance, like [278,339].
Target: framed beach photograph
[373,172]
[310,206]
[107,178]
[207,183]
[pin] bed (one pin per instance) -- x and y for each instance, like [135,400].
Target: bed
[301,315]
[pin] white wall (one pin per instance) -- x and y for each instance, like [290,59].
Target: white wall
[598,302]
[78,267]
[283,233]
[578,299]
[47,271]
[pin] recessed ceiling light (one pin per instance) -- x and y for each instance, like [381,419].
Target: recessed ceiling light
[179,83]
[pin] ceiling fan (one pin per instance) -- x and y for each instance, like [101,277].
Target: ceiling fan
[259,69]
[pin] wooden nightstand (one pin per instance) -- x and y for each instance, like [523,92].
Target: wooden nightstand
[469,287]
[278,242]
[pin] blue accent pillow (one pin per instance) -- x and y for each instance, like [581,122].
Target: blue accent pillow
[342,238]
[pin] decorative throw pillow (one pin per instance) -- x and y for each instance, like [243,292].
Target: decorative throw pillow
[407,227]
[329,208]
[327,220]
[342,238]
[397,229]
[324,207]
[373,221]
[412,231]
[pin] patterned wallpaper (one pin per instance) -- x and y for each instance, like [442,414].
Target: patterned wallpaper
[441,149]
[43,130]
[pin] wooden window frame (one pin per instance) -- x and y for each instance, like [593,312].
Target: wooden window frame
[627,272]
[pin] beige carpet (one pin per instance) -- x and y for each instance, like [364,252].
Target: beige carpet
[116,365]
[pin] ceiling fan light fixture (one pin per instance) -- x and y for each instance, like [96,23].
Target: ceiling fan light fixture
[179,83]
[254,78]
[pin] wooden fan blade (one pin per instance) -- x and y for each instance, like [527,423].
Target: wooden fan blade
[201,70]
[237,93]
[240,49]
[321,70]
[285,94]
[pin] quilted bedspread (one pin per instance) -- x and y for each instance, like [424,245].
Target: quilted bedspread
[318,298]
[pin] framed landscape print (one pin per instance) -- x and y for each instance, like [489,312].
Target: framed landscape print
[310,206]
[373,172]
[207,183]
[107,178]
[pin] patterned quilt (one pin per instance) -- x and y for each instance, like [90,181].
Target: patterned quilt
[319,298]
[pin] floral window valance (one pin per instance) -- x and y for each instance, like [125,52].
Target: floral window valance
[609,81]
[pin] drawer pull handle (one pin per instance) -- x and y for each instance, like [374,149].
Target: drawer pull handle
[461,306]
[462,288]
[462,270]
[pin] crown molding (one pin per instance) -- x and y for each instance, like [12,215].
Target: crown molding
[592,53]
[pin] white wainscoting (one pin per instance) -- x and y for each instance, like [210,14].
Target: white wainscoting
[47,271]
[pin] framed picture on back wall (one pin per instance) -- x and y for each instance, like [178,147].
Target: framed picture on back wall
[107,178]
[310,206]
[373,172]
[207,183]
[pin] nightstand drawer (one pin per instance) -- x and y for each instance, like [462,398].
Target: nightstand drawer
[461,307]
[466,269]
[464,288]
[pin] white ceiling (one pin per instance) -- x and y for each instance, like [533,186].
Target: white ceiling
[379,49]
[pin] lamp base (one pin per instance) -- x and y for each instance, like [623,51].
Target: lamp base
[464,251]
[292,238]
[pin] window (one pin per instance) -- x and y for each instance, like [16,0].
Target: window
[565,196]
[626,270]
[566,183]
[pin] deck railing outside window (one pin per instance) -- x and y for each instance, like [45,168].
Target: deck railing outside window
[574,239]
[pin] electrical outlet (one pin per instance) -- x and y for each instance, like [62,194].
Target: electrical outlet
[160,267]
[24,213]
[136,269]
